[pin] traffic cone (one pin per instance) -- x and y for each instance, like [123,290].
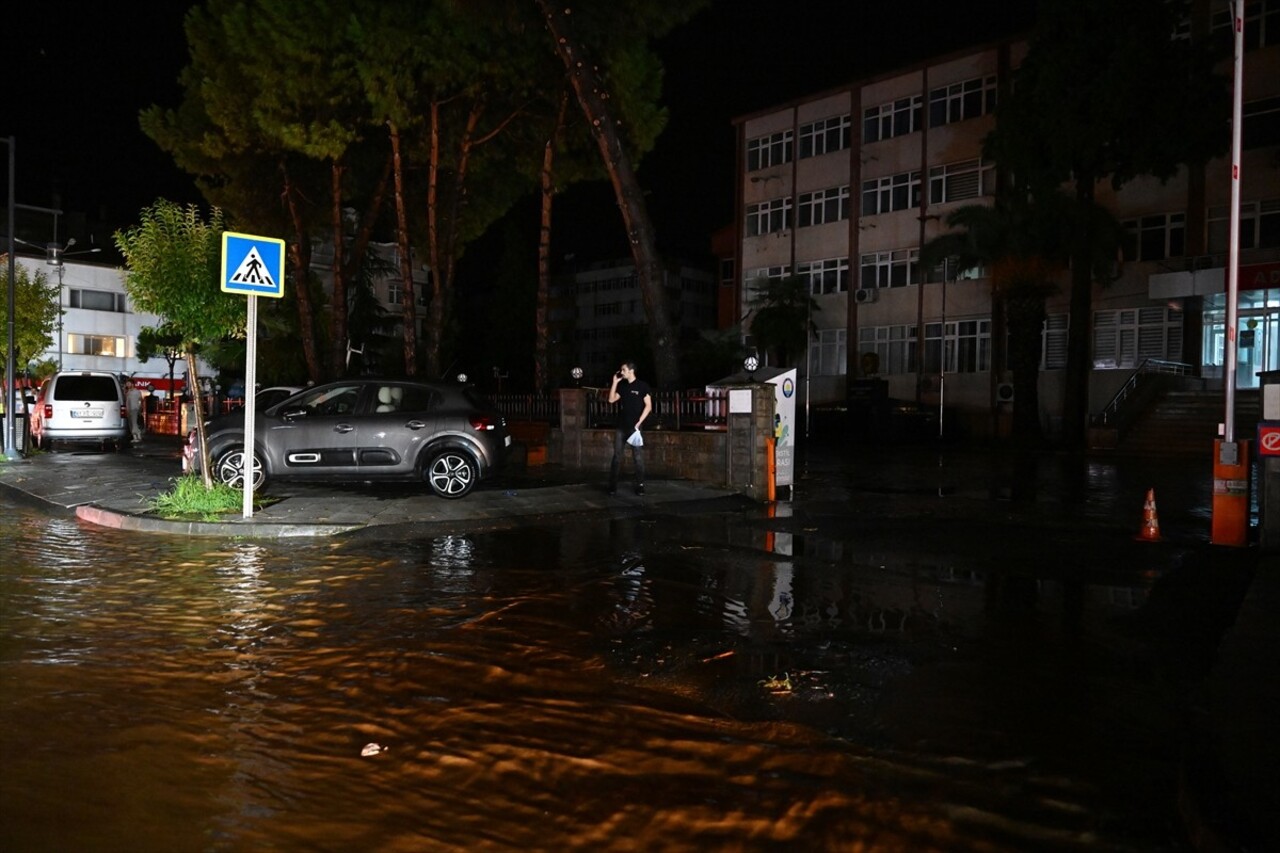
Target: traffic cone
[1150,531]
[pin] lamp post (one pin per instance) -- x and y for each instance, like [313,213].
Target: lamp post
[53,257]
[10,433]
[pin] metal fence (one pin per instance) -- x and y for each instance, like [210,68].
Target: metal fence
[698,408]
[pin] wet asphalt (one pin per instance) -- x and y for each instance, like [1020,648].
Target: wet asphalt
[1230,792]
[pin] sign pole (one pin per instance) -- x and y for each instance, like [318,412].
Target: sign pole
[251,266]
[250,406]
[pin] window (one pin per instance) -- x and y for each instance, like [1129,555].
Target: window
[896,192]
[759,277]
[959,181]
[766,151]
[1261,22]
[895,346]
[967,345]
[395,292]
[768,216]
[898,118]
[959,101]
[1123,338]
[1156,237]
[829,276]
[823,137]
[97,300]
[1260,123]
[896,268]
[828,354]
[95,345]
[818,208]
[951,271]
[1053,355]
[1259,226]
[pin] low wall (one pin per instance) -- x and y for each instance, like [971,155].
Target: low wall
[735,458]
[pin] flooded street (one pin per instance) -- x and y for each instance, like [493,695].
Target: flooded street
[863,670]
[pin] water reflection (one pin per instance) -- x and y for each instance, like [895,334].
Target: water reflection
[636,683]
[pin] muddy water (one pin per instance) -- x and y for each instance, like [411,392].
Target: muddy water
[641,683]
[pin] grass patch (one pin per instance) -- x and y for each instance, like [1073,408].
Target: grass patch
[189,497]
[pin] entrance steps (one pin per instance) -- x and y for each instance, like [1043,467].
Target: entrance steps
[1182,423]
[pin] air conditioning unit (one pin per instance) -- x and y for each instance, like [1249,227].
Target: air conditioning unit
[1004,392]
[864,295]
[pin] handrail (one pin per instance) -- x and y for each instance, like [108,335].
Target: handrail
[1110,412]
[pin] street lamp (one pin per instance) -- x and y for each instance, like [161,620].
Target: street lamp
[576,373]
[10,431]
[751,364]
[53,257]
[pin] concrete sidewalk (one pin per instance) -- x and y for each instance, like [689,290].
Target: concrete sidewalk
[116,490]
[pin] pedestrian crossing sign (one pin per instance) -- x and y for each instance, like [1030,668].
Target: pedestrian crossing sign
[251,265]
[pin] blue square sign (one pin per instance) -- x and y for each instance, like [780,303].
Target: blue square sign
[252,265]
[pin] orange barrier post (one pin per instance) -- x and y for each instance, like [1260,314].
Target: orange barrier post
[1150,522]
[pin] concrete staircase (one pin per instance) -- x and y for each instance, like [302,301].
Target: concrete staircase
[1181,423]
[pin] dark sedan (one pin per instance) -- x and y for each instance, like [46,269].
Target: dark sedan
[356,430]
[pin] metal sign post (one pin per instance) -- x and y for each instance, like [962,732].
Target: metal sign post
[252,266]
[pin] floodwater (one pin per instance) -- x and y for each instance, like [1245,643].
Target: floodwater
[654,681]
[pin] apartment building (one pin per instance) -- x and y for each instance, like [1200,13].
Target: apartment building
[844,186]
[97,327]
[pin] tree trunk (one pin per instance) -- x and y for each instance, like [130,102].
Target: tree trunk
[409,314]
[540,343]
[1025,321]
[338,311]
[1075,395]
[193,388]
[300,260]
[635,215]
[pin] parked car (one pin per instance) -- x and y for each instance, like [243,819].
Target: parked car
[268,397]
[367,429]
[80,406]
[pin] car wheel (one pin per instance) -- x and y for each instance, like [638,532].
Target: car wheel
[452,473]
[227,469]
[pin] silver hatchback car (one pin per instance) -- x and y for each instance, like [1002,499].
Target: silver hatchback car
[365,429]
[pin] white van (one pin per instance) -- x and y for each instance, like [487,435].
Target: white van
[80,406]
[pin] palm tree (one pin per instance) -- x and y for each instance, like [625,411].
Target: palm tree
[783,318]
[1021,244]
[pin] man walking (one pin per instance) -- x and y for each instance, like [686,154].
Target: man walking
[133,406]
[636,406]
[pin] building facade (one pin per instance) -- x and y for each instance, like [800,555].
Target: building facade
[608,320]
[97,326]
[843,187]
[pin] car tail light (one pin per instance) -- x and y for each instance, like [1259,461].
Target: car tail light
[124,412]
[482,423]
[48,410]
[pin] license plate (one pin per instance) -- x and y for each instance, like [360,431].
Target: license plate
[86,413]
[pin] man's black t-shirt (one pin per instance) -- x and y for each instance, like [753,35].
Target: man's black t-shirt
[632,402]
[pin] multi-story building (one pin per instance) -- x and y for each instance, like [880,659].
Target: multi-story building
[609,316]
[97,327]
[844,186]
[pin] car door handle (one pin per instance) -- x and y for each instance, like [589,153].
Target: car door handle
[344,428]
[416,424]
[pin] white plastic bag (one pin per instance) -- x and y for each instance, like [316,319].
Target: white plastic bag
[636,440]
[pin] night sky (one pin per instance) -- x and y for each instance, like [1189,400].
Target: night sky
[84,71]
